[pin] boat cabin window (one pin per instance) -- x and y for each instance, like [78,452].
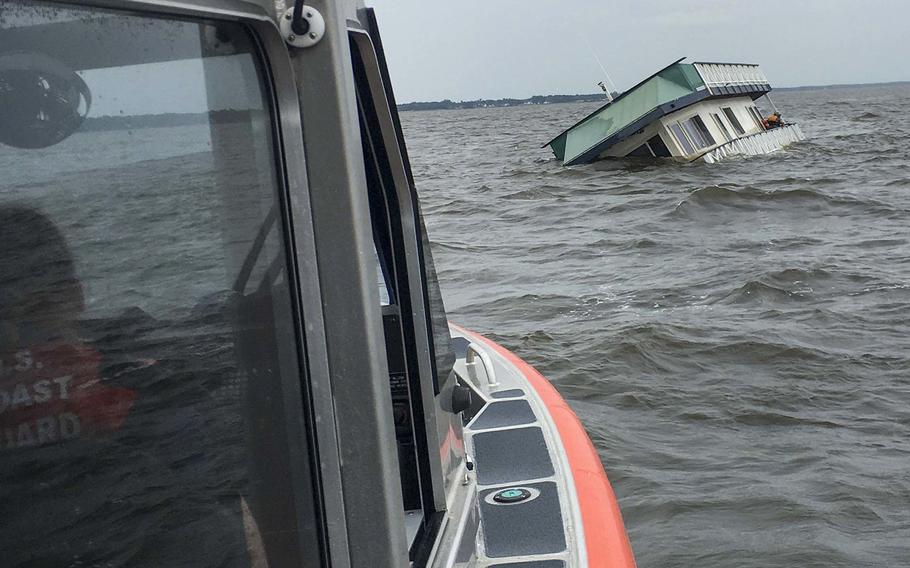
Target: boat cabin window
[658,147]
[696,136]
[642,151]
[731,116]
[703,130]
[383,278]
[756,116]
[681,138]
[703,133]
[722,127]
[151,371]
[692,134]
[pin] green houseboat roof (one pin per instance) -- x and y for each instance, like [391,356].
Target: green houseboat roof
[674,87]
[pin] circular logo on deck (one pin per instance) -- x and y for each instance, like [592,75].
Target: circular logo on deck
[511,495]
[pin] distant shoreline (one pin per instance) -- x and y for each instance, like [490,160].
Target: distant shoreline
[496,103]
[841,86]
[585,98]
[129,122]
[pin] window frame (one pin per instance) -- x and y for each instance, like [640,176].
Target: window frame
[756,115]
[434,500]
[657,141]
[694,135]
[702,129]
[734,120]
[722,126]
[684,140]
[312,390]
[353,324]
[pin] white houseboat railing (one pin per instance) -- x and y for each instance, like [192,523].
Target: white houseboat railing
[724,75]
[763,142]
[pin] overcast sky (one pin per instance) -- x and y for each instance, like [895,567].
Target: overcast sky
[470,49]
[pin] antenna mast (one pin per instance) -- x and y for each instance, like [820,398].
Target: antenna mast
[612,86]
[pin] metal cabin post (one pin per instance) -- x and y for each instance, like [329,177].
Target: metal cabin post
[353,326]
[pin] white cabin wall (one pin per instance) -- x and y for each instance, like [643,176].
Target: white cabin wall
[739,106]
[703,109]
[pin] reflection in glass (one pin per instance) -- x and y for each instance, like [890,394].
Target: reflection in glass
[142,381]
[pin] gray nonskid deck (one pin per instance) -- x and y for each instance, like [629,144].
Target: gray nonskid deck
[523,529]
[508,456]
[511,393]
[502,414]
[514,445]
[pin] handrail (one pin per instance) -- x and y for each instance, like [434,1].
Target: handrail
[473,352]
[727,74]
[762,142]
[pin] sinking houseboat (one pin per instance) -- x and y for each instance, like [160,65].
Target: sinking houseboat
[222,339]
[685,111]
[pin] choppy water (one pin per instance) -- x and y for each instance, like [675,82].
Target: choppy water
[734,336]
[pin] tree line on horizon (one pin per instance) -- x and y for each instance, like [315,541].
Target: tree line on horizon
[485,103]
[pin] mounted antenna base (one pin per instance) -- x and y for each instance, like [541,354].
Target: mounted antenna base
[311,22]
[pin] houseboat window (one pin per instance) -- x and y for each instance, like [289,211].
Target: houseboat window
[731,116]
[703,130]
[150,367]
[756,116]
[723,127]
[696,135]
[641,152]
[680,136]
[658,147]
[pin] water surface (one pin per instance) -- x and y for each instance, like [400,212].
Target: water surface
[733,336]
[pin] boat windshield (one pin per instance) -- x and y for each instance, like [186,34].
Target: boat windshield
[149,405]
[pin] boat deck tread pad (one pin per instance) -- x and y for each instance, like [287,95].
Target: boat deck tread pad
[523,529]
[511,393]
[506,413]
[505,456]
